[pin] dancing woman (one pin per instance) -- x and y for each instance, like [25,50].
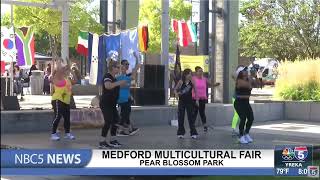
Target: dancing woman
[61,99]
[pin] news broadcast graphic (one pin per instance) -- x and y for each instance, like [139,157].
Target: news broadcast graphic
[293,160]
[313,171]
[138,162]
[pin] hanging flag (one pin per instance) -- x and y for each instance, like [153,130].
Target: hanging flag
[129,45]
[8,45]
[192,31]
[82,46]
[102,59]
[174,26]
[185,37]
[25,46]
[143,35]
[177,66]
[182,30]
[93,59]
[3,67]
[112,44]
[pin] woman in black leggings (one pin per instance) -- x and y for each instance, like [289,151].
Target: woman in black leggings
[108,104]
[183,90]
[242,105]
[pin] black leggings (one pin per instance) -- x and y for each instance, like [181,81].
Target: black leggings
[111,117]
[60,109]
[201,109]
[125,113]
[182,107]
[245,113]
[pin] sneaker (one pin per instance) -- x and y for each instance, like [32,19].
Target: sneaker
[115,144]
[243,140]
[234,133]
[55,137]
[205,129]
[134,131]
[248,138]
[123,133]
[69,136]
[103,145]
[194,136]
[180,136]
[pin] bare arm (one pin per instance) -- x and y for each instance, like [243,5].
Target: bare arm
[210,84]
[136,67]
[178,86]
[110,85]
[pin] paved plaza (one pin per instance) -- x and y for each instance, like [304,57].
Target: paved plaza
[164,137]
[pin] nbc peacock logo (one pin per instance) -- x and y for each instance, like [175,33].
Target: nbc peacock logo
[287,154]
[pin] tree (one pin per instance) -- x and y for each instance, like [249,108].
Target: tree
[47,23]
[150,13]
[283,29]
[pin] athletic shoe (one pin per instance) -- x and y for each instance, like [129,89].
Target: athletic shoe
[115,144]
[104,145]
[69,136]
[180,136]
[55,137]
[205,129]
[248,138]
[122,133]
[243,140]
[194,136]
[234,133]
[134,131]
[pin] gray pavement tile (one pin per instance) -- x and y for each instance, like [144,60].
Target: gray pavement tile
[164,137]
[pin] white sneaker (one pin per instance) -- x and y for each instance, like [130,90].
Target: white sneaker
[69,136]
[248,138]
[180,136]
[243,140]
[194,136]
[55,137]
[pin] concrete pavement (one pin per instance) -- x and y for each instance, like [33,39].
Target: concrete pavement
[164,137]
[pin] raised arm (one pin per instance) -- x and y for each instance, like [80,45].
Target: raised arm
[178,86]
[136,67]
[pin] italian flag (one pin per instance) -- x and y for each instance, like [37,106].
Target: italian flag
[82,47]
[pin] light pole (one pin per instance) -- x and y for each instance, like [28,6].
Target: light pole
[164,44]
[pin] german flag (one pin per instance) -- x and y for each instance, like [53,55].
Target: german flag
[143,38]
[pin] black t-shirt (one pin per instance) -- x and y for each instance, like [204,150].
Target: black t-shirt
[243,91]
[186,92]
[109,96]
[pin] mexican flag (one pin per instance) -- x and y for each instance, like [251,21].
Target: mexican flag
[82,47]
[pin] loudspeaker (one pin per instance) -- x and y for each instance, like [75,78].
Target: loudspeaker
[154,76]
[10,103]
[146,96]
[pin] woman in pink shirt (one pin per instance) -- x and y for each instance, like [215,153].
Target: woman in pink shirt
[200,96]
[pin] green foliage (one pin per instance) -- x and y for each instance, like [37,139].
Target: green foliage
[307,91]
[5,20]
[281,29]
[47,22]
[150,13]
[299,80]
